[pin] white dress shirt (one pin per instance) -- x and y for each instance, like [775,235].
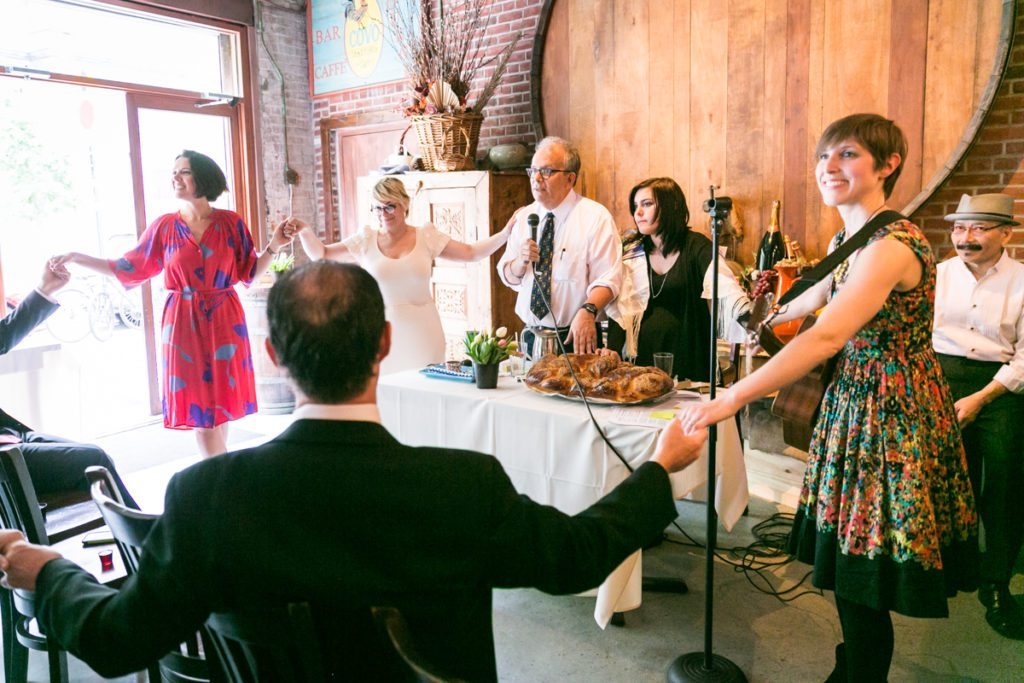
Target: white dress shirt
[732,301]
[982,319]
[344,412]
[587,254]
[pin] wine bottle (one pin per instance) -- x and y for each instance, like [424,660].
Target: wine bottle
[773,248]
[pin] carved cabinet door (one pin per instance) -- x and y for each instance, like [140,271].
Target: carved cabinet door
[461,290]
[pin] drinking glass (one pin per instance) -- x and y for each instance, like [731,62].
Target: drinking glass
[663,361]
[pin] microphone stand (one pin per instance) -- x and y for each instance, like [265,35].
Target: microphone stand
[707,666]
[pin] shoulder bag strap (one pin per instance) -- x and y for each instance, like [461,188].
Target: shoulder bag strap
[832,261]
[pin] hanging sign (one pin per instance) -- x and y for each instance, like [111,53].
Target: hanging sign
[349,46]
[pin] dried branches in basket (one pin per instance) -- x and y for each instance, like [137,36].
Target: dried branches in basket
[442,57]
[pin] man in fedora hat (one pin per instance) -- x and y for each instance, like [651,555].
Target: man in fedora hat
[979,339]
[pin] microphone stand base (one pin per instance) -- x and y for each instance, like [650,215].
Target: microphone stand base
[689,668]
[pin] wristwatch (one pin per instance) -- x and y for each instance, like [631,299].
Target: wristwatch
[590,308]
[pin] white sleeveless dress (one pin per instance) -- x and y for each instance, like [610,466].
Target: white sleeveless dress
[416,336]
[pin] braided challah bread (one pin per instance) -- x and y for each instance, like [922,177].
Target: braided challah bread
[602,377]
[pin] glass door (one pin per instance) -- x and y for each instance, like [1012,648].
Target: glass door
[68,187]
[160,128]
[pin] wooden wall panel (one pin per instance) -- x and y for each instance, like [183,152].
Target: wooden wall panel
[628,154]
[736,93]
[948,98]
[709,76]
[908,41]
[744,126]
[608,96]
[681,90]
[774,120]
[660,38]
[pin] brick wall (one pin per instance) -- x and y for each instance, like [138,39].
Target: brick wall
[995,163]
[284,39]
[508,113]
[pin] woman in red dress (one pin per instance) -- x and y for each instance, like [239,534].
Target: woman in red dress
[203,252]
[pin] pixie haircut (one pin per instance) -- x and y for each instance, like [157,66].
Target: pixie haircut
[672,213]
[206,174]
[391,189]
[878,135]
[326,320]
[570,155]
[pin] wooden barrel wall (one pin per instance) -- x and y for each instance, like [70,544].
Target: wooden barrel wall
[735,93]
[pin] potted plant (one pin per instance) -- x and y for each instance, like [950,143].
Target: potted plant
[441,58]
[281,263]
[487,350]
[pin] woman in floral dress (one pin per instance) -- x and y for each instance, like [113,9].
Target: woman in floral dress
[203,252]
[886,513]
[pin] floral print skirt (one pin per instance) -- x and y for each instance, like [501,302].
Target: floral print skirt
[886,514]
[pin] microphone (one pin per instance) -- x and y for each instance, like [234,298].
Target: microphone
[533,220]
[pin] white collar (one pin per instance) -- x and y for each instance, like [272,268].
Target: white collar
[347,412]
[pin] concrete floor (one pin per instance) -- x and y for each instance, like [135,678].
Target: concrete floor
[548,638]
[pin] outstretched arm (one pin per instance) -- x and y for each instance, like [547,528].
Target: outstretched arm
[93,263]
[460,251]
[315,249]
[881,267]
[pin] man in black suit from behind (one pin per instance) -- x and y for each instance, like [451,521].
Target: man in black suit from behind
[54,464]
[337,513]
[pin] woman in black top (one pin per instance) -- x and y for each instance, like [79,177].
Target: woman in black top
[677,318]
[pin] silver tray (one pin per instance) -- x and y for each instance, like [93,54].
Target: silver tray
[604,401]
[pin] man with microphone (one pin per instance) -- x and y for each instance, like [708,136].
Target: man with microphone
[568,267]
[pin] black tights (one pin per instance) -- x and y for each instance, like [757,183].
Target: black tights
[867,642]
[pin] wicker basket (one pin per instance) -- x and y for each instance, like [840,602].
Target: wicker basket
[448,141]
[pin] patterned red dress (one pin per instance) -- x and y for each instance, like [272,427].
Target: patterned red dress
[207,362]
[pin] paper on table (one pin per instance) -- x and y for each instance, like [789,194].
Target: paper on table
[653,416]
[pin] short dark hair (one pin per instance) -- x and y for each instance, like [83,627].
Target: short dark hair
[877,134]
[206,174]
[673,214]
[326,320]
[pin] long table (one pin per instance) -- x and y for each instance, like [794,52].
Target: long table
[553,453]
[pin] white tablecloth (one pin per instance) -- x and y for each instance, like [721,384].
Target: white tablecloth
[553,453]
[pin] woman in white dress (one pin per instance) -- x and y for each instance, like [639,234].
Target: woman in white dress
[400,257]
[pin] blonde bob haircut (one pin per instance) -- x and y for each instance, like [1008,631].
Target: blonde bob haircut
[391,189]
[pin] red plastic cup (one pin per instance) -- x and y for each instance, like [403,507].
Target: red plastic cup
[107,560]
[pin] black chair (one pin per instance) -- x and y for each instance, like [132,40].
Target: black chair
[19,509]
[270,644]
[129,527]
[392,623]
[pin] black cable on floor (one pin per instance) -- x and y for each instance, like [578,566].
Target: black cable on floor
[768,548]
[766,552]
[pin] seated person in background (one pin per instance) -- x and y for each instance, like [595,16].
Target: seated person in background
[53,463]
[670,285]
[337,513]
[577,265]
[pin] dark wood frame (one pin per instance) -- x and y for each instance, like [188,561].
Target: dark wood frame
[344,127]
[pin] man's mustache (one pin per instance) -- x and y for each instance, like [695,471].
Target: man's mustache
[968,246]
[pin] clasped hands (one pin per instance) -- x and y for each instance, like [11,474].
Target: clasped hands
[285,232]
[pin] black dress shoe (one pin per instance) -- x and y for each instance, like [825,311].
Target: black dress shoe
[1004,614]
[985,593]
[838,674]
